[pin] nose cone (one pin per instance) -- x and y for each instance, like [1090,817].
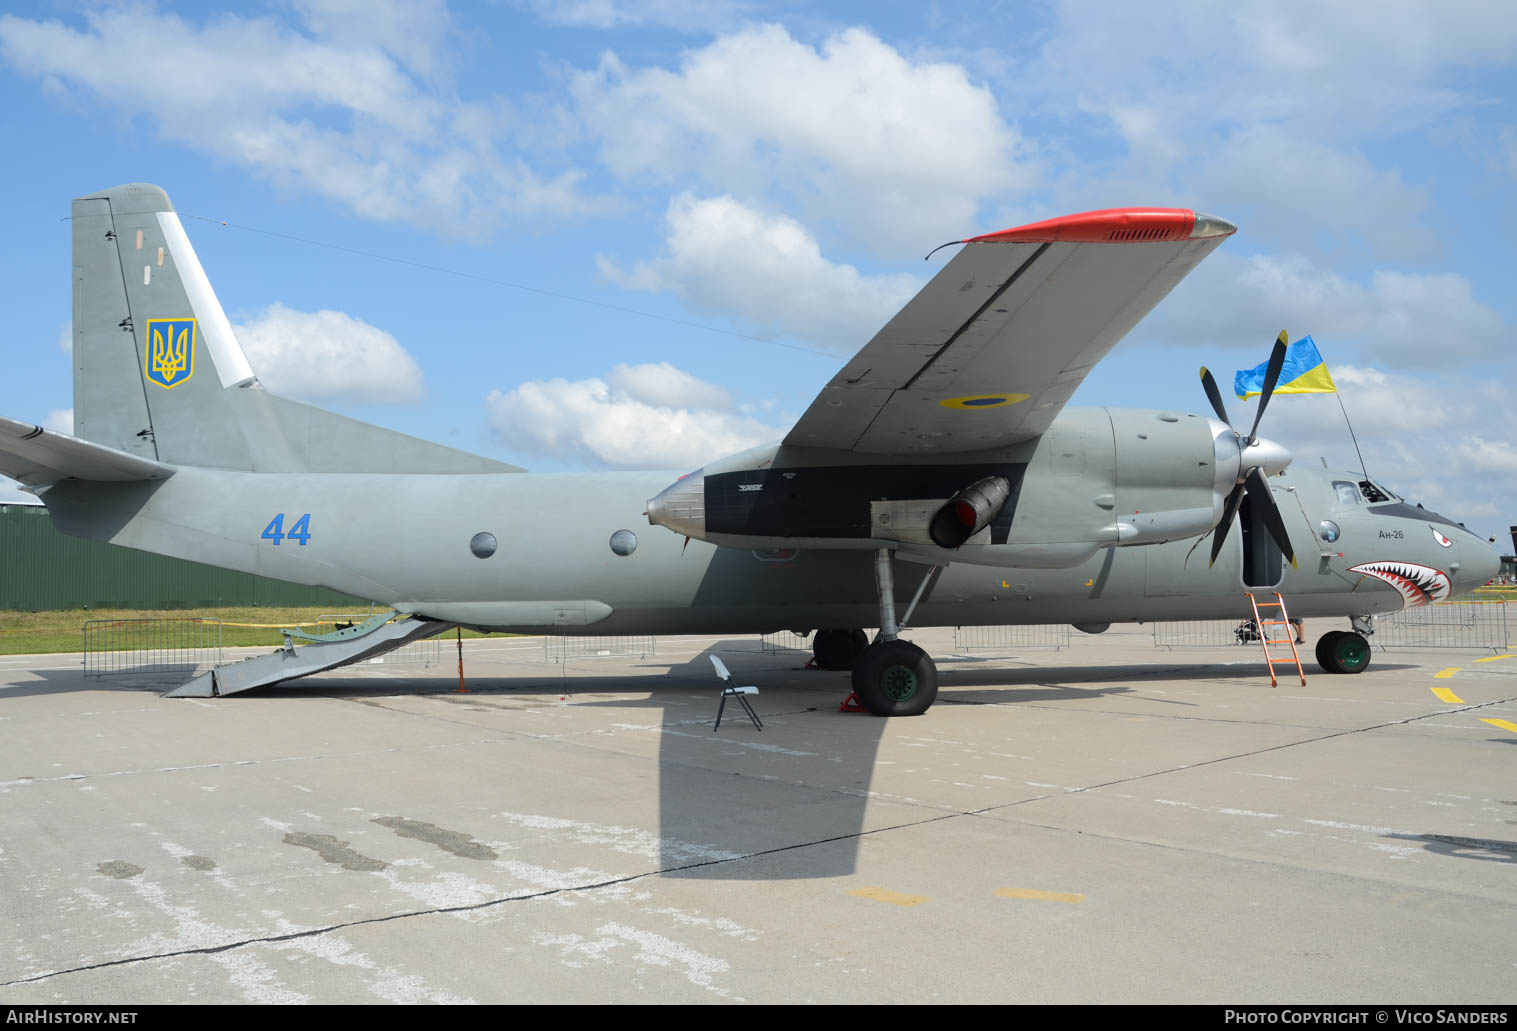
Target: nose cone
[1268,455]
[681,506]
[1481,564]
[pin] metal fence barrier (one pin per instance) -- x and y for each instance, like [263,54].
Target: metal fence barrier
[1205,633]
[783,641]
[970,639]
[118,646]
[1451,624]
[562,649]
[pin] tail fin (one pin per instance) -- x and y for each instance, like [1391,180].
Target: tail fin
[158,372]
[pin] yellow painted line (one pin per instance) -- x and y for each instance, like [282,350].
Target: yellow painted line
[1495,658]
[1042,896]
[1503,724]
[1447,695]
[1447,673]
[895,898]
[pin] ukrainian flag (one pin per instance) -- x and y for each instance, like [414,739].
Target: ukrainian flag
[1304,372]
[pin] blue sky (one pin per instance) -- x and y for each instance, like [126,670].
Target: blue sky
[773,173]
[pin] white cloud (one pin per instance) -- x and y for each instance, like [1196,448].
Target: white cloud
[723,256]
[1264,110]
[681,15]
[662,385]
[1354,68]
[411,31]
[895,153]
[646,417]
[60,420]
[12,494]
[66,337]
[329,356]
[1398,318]
[1302,191]
[339,108]
[1432,438]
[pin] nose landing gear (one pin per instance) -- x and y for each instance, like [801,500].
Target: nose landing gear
[1343,651]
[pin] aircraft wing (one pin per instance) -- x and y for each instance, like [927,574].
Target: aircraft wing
[36,456]
[991,349]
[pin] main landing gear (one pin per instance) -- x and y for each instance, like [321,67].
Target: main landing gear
[892,677]
[838,649]
[1343,651]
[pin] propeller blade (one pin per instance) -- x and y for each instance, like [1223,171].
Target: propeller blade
[1223,528]
[1264,500]
[1271,377]
[1213,395]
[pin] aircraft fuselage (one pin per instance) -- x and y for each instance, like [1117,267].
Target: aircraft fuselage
[404,540]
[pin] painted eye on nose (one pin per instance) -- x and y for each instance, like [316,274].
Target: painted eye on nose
[1327,530]
[1440,538]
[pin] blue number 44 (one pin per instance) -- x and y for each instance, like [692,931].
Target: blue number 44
[301,531]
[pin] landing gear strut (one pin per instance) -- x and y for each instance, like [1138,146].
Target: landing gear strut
[893,677]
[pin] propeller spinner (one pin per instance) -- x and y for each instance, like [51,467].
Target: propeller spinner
[1257,458]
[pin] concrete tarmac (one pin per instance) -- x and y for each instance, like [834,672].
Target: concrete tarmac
[1106,823]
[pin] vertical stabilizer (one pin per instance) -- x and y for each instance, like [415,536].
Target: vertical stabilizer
[159,374]
[153,350]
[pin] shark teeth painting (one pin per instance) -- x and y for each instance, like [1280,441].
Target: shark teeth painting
[1419,585]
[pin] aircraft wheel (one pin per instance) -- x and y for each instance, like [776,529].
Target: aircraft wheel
[838,649]
[1324,644]
[895,678]
[1347,653]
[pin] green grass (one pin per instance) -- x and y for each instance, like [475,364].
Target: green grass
[30,633]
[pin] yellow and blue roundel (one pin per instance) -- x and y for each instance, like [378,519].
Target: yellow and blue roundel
[974,401]
[170,357]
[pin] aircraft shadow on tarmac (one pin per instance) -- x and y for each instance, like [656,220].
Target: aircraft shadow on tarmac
[1482,849]
[795,794]
[807,816]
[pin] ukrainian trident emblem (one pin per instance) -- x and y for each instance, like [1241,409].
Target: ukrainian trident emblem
[170,351]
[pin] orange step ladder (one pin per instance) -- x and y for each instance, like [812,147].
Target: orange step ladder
[1265,641]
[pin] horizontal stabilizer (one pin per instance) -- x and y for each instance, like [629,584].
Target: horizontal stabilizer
[37,457]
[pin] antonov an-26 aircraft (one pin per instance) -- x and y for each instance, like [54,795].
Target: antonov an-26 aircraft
[938,474]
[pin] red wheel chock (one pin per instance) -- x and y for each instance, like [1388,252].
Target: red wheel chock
[852,704]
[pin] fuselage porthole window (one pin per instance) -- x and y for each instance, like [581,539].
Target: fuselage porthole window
[482,544]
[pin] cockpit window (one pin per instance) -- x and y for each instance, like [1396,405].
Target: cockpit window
[1348,494]
[1374,493]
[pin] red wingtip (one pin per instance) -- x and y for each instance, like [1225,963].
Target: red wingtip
[1116,225]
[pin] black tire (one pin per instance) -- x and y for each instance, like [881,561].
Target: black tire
[1349,653]
[1324,649]
[895,678]
[837,649]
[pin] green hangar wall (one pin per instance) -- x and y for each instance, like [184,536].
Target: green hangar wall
[41,570]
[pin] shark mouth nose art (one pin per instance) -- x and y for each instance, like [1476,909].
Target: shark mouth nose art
[1419,585]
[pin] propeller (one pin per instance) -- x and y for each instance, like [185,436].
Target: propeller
[1251,477]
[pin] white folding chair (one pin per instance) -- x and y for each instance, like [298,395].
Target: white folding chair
[731,690]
